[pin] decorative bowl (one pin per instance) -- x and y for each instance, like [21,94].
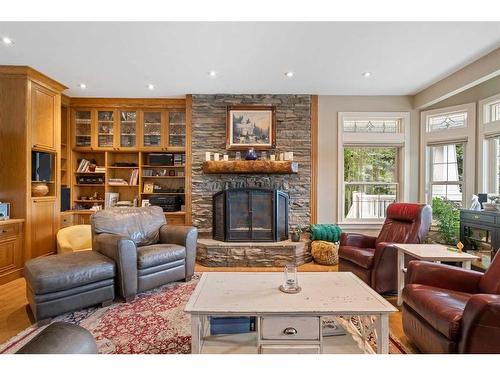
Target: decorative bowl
[39,189]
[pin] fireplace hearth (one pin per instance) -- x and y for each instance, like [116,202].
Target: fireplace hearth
[250,215]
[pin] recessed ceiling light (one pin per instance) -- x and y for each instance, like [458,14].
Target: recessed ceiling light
[366,74]
[7,41]
[212,74]
[151,86]
[83,86]
[289,74]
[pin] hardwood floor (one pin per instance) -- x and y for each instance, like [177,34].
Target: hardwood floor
[15,315]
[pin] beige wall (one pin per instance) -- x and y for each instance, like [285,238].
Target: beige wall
[328,109]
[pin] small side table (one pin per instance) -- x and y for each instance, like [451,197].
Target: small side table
[431,253]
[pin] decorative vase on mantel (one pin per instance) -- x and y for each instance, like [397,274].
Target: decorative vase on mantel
[251,154]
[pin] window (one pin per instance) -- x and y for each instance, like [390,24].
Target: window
[447,121]
[447,139]
[370,181]
[488,168]
[373,164]
[447,172]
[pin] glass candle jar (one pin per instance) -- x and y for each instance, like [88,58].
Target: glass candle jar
[290,280]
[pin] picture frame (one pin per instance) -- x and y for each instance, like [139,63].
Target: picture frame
[148,188]
[4,211]
[145,203]
[250,126]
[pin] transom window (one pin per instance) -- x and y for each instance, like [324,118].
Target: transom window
[372,126]
[447,121]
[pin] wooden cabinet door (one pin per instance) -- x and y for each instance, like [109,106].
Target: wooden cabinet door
[11,251]
[43,117]
[43,227]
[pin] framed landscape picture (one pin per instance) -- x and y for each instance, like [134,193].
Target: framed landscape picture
[250,126]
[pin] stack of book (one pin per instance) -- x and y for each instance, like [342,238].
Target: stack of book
[100,169]
[117,182]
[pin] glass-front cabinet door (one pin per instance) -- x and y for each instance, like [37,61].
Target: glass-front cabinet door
[128,129]
[83,128]
[152,132]
[105,129]
[176,129]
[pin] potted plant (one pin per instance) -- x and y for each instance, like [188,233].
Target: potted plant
[446,215]
[296,233]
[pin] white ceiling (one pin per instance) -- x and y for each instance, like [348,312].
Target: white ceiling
[120,59]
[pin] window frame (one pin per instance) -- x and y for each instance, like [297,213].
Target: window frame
[400,140]
[487,149]
[465,135]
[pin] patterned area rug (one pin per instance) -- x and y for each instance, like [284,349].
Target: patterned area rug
[153,323]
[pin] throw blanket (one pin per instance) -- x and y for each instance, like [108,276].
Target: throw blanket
[325,232]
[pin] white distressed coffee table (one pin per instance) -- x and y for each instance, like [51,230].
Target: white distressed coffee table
[431,253]
[288,323]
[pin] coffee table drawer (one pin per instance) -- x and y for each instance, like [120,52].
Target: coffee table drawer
[290,349]
[290,328]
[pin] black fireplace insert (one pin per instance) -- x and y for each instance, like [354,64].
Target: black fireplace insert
[250,214]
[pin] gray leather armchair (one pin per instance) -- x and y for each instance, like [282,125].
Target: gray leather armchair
[148,252]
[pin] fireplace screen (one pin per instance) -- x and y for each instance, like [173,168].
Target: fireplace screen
[250,214]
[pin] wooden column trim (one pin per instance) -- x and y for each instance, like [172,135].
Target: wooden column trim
[314,159]
[189,156]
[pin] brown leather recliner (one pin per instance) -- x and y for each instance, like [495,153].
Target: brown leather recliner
[373,259]
[147,252]
[451,310]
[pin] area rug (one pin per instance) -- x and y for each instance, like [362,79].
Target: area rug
[153,323]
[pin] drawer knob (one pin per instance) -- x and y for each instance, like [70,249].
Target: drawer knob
[290,331]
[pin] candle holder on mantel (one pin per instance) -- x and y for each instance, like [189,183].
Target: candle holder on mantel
[290,280]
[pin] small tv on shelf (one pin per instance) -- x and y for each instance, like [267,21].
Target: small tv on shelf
[41,166]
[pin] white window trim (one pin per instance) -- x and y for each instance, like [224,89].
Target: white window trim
[400,140]
[465,135]
[486,173]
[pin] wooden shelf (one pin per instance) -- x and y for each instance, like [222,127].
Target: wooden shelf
[250,167]
[164,166]
[162,193]
[123,167]
[165,177]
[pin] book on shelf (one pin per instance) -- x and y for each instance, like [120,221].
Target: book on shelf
[83,166]
[134,177]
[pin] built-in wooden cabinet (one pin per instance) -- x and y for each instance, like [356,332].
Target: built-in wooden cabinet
[45,108]
[11,250]
[30,117]
[44,226]
[118,135]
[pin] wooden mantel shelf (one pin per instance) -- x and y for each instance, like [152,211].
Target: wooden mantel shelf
[250,167]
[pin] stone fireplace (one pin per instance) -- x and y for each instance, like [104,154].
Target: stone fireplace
[250,215]
[293,133]
[208,134]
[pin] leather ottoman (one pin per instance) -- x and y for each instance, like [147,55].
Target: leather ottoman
[61,338]
[67,282]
